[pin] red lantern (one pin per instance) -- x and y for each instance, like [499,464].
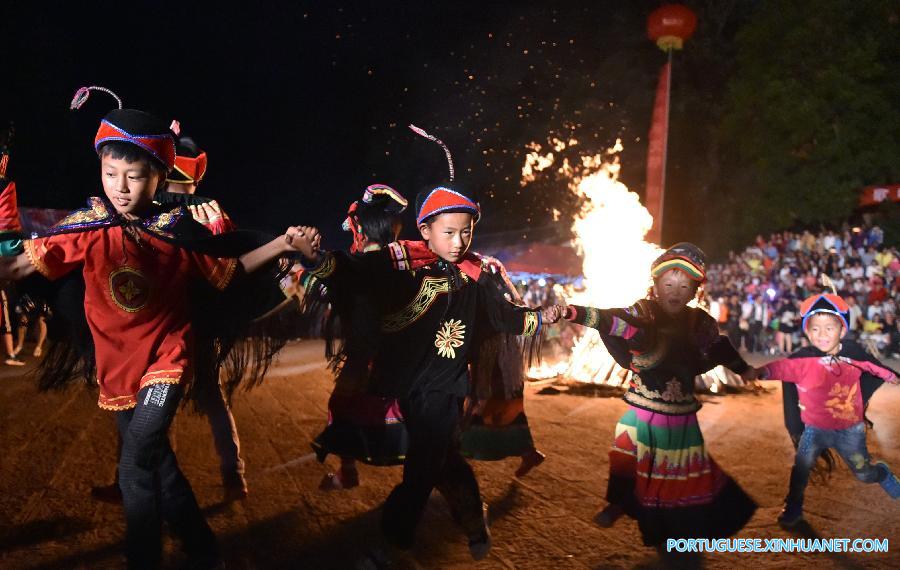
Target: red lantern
[670,25]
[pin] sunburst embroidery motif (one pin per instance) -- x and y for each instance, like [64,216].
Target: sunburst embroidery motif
[450,337]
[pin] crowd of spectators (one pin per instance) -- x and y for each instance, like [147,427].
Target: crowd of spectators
[756,294]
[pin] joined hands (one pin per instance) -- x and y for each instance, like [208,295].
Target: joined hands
[305,239]
[553,313]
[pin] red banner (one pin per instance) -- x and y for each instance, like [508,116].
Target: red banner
[656,154]
[874,195]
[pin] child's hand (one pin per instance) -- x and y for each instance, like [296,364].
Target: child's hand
[750,374]
[304,239]
[314,237]
[551,314]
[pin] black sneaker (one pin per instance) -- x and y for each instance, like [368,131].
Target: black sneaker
[480,544]
[790,516]
[108,494]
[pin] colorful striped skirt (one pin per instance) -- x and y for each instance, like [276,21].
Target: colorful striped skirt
[661,474]
[366,427]
[499,431]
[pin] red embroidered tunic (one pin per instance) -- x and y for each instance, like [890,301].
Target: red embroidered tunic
[136,303]
[829,388]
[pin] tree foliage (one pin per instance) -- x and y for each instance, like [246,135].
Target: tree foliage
[810,112]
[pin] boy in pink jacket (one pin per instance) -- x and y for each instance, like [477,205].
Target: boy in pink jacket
[831,402]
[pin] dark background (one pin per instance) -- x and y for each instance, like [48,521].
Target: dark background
[301,105]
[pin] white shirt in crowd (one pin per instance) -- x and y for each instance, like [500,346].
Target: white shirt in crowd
[855,272]
[855,314]
[874,309]
[746,310]
[715,310]
[760,314]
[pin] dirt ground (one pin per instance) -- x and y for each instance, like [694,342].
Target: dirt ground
[56,446]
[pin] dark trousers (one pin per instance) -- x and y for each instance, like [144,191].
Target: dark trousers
[433,460]
[153,487]
[211,402]
[757,340]
[849,443]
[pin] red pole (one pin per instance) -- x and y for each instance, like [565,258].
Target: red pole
[657,151]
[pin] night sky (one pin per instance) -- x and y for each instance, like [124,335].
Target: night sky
[302,105]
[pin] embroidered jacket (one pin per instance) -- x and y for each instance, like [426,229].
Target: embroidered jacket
[428,310]
[665,353]
[135,299]
[831,396]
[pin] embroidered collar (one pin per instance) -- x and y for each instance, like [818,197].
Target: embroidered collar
[100,213]
[412,255]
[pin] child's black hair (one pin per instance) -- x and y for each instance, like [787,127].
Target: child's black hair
[377,220]
[130,153]
[185,146]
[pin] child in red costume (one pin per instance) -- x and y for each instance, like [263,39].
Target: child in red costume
[136,276]
[831,402]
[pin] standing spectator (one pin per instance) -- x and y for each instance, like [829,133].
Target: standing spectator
[892,350]
[854,314]
[787,315]
[744,324]
[732,327]
[759,320]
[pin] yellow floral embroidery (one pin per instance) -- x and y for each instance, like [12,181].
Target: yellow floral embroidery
[450,337]
[842,403]
[129,290]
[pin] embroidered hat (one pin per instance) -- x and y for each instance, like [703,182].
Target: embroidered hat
[825,303]
[394,203]
[190,160]
[685,257]
[444,200]
[9,208]
[376,198]
[131,126]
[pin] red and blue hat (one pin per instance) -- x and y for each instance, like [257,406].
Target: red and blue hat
[141,129]
[379,196]
[395,203]
[444,200]
[190,160]
[826,303]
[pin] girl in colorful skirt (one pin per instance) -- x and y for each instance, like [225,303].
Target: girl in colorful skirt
[362,426]
[495,425]
[660,471]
